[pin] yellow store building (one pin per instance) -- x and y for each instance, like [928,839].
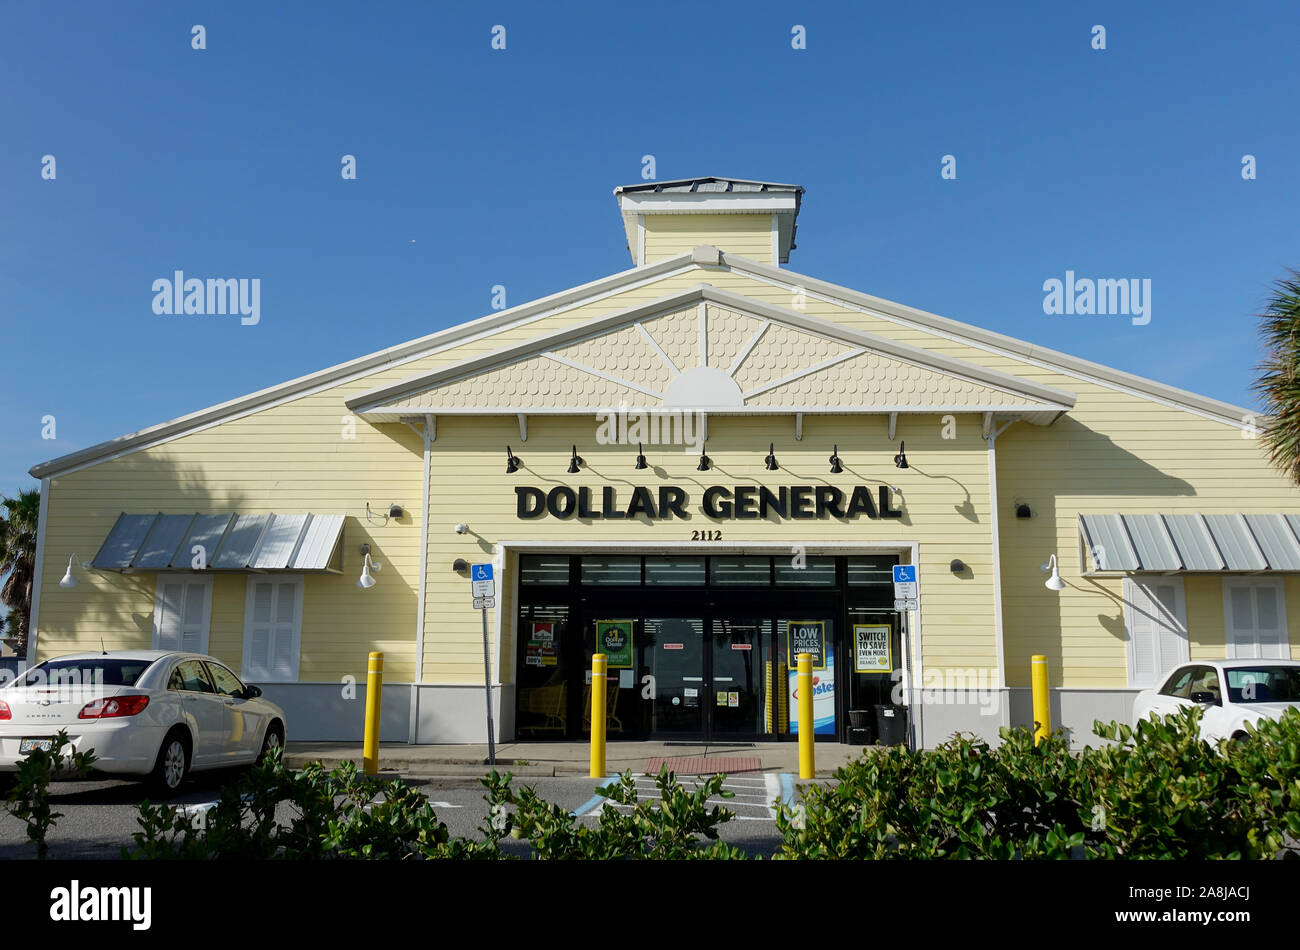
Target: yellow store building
[703,464]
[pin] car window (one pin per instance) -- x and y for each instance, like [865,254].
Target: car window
[1179,684]
[1264,684]
[190,677]
[86,672]
[227,683]
[1206,680]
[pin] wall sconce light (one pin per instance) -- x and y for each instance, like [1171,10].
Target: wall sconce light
[460,565]
[366,581]
[640,458]
[395,511]
[575,462]
[836,467]
[770,461]
[705,461]
[512,462]
[956,566]
[1022,511]
[69,581]
[1054,582]
[900,460]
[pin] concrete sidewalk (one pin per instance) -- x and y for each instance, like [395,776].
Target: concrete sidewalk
[560,758]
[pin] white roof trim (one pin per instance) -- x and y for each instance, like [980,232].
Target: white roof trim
[989,340]
[1045,397]
[365,365]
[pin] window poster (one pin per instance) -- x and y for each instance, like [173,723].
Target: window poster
[614,639]
[871,648]
[807,636]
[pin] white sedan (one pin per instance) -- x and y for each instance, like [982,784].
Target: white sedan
[144,713]
[1233,693]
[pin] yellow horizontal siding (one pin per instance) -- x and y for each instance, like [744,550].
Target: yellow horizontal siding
[749,235]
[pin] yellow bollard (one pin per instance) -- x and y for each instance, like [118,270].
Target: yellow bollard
[807,765]
[374,692]
[598,661]
[1042,707]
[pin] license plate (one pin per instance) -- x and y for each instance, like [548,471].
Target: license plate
[27,745]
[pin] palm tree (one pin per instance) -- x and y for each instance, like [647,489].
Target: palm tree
[18,561]
[1279,382]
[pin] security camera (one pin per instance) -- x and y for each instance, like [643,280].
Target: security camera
[462,528]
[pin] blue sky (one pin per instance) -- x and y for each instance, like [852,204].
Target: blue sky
[479,167]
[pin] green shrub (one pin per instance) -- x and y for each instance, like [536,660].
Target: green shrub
[336,814]
[29,798]
[678,825]
[1159,791]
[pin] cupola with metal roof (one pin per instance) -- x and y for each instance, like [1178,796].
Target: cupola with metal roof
[754,219]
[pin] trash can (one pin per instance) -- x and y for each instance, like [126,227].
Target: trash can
[891,725]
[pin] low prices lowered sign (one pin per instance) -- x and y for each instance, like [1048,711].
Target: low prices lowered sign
[809,636]
[614,639]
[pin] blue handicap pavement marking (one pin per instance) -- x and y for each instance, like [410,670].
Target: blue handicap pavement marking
[596,801]
[482,572]
[904,573]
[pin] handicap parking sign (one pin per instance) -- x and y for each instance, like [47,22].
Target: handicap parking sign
[482,581]
[905,581]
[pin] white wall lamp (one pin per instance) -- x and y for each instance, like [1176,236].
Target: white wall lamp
[69,581]
[366,581]
[1054,582]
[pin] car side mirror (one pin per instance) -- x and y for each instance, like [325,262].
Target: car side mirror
[252,692]
[1205,698]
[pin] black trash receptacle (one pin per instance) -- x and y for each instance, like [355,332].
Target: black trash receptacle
[891,725]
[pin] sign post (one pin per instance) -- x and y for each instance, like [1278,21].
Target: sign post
[907,597]
[484,591]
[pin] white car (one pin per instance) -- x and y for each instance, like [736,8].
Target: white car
[144,713]
[1232,693]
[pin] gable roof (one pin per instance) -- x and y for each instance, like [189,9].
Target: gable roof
[706,349]
[703,257]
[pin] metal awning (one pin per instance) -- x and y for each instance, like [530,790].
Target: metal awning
[1191,542]
[229,542]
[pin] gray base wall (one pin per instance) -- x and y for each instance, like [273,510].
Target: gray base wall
[451,714]
[944,713]
[321,712]
[1075,710]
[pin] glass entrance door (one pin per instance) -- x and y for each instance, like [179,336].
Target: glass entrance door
[674,655]
[740,654]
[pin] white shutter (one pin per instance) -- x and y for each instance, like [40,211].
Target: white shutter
[1156,626]
[182,609]
[272,630]
[1254,615]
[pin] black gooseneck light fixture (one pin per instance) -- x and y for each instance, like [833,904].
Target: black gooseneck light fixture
[836,467]
[640,458]
[705,461]
[900,460]
[512,461]
[770,461]
[575,462]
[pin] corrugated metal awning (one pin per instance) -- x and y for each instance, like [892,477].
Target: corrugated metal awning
[1192,542]
[230,542]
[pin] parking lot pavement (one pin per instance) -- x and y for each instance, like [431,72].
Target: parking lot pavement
[99,817]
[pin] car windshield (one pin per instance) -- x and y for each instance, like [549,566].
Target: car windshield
[1263,684]
[88,671]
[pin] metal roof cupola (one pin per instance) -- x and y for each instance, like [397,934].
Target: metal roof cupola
[755,219]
